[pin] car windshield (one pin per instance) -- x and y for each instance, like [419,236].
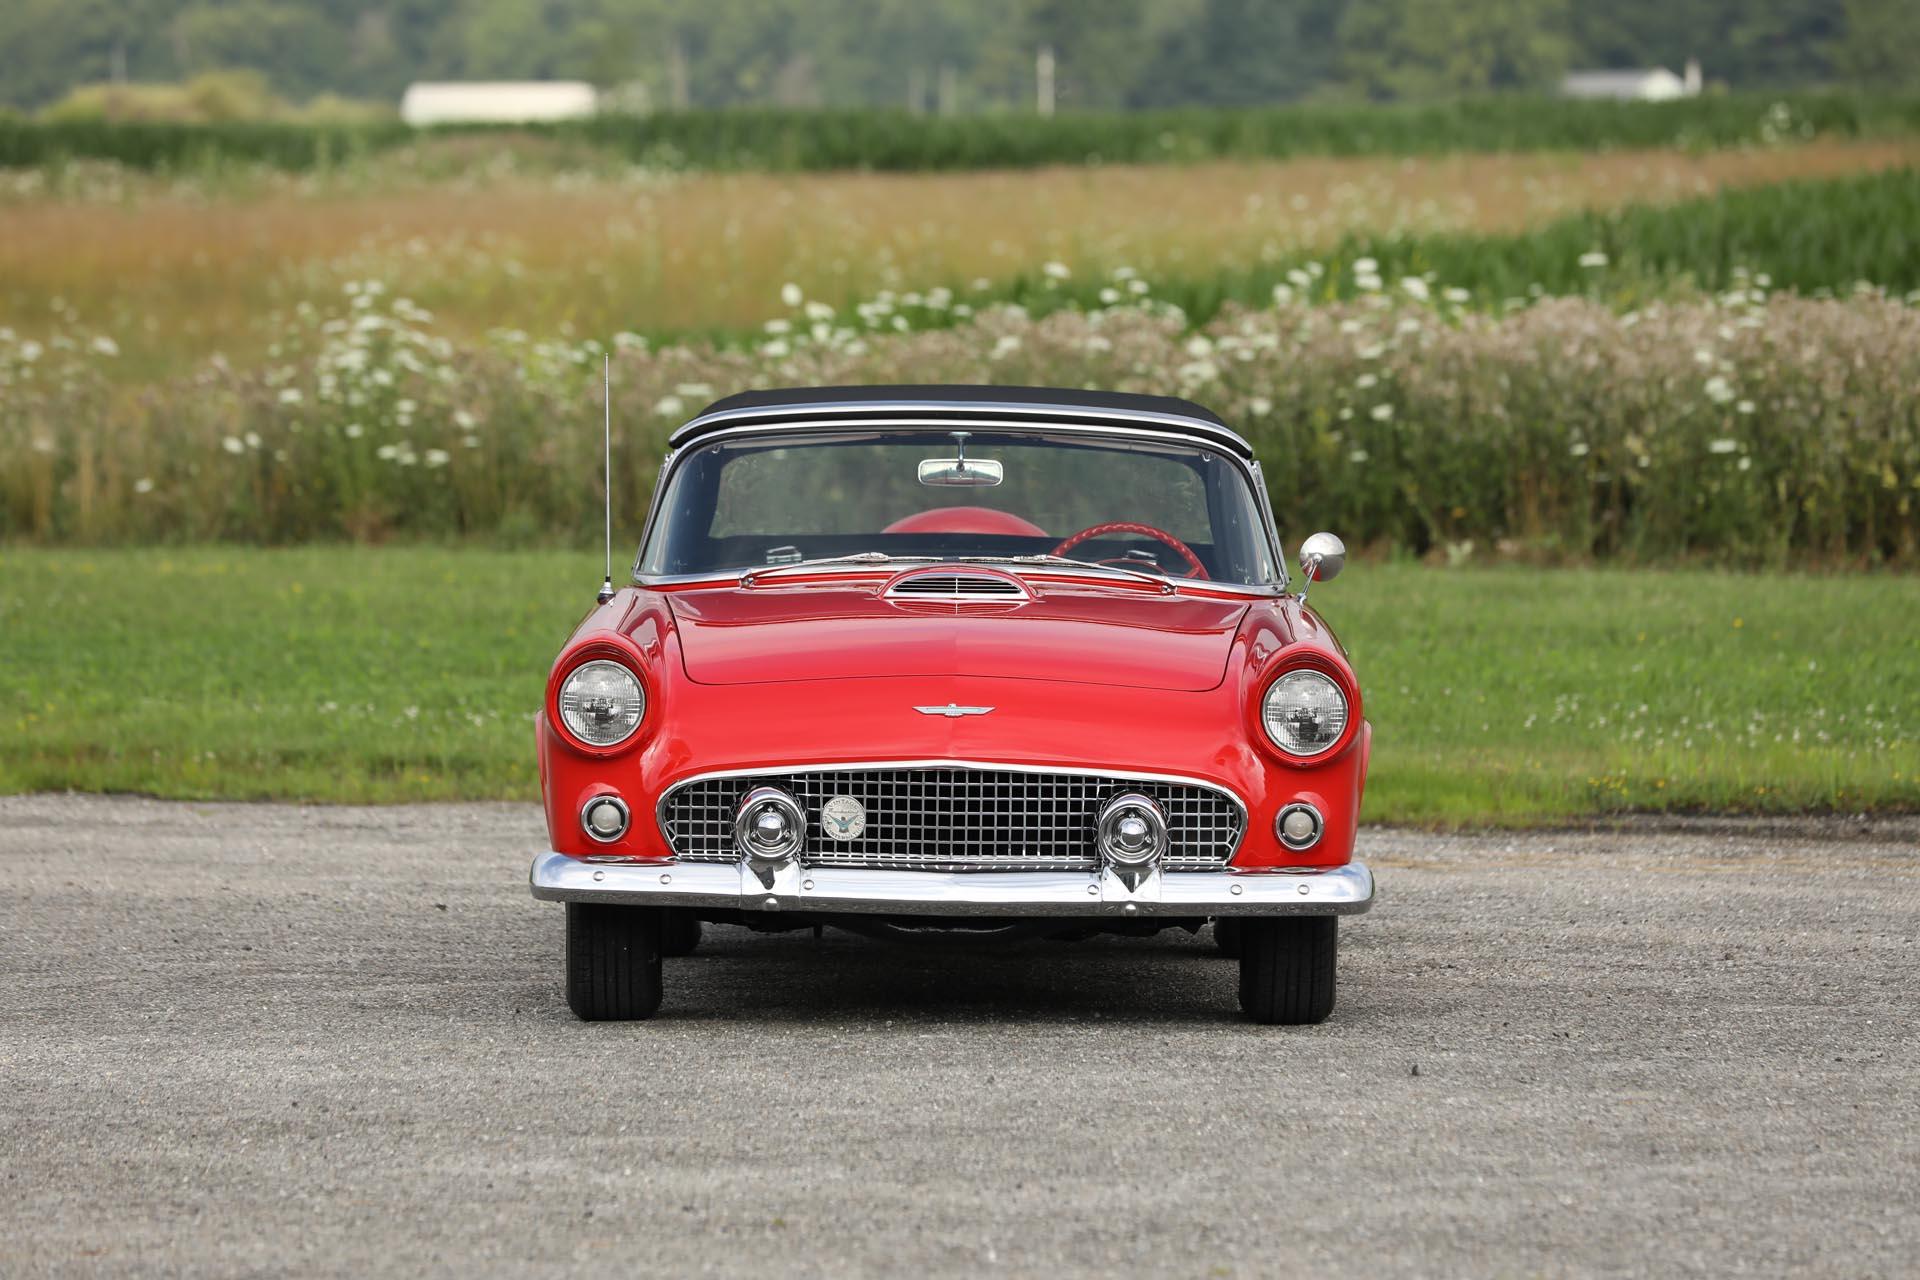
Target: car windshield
[1182,510]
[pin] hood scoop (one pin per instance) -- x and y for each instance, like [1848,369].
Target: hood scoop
[946,585]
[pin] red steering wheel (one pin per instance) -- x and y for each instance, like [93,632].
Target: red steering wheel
[1127,526]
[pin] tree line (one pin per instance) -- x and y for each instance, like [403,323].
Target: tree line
[954,56]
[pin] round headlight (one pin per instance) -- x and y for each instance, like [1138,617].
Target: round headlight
[601,703]
[1305,713]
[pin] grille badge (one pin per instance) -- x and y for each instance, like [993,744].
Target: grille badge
[844,818]
[953,710]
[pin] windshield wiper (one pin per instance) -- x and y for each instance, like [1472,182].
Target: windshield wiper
[751,576]
[1165,584]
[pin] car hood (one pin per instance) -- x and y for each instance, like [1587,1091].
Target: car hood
[1123,637]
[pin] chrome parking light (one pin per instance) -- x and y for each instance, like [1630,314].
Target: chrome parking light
[605,818]
[1299,826]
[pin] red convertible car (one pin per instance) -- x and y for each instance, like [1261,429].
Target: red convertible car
[900,659]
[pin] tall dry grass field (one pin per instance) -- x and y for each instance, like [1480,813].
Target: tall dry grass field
[178,271]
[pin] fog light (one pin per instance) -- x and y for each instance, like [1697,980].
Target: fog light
[1298,826]
[1132,830]
[604,818]
[770,826]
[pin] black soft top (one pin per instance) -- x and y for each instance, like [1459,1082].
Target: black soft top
[1042,404]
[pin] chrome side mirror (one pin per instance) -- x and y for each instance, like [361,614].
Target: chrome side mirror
[1322,557]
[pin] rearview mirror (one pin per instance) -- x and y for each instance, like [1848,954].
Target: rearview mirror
[962,473]
[1322,557]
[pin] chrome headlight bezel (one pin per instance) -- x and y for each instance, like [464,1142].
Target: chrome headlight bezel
[567,708]
[1273,725]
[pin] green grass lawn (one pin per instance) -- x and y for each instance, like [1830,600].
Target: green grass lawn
[1503,696]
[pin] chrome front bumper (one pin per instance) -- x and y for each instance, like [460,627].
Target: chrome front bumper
[830,890]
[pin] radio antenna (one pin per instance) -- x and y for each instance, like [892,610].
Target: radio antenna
[606,440]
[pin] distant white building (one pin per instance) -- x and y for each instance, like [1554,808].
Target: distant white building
[497,101]
[1652,84]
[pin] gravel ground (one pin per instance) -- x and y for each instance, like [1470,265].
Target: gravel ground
[259,1039]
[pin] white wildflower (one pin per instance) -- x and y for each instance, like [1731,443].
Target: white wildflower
[1593,258]
[1719,390]
[1006,346]
[776,349]
[1109,296]
[1456,295]
[105,346]
[1056,271]
[1199,346]
[1365,267]
[1416,288]
[471,442]
[777,327]
[464,420]
[1370,350]
[668,406]
[1358,455]
[790,295]
[1579,448]
[143,485]
[1282,295]
[819,311]
[1382,412]
[1723,445]
[233,444]
[354,431]
[1745,406]
[1367,381]
[1259,406]
[1298,278]
[291,395]
[437,457]
[1745,462]
[30,351]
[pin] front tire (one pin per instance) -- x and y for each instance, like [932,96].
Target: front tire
[613,961]
[1287,968]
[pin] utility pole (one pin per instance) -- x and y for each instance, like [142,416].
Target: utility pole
[679,92]
[1043,79]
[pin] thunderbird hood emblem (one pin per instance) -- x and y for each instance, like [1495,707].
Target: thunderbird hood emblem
[953,710]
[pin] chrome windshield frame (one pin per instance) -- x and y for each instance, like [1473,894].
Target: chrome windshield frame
[827,419]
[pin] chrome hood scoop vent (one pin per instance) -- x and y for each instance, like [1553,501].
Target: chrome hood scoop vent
[949,585]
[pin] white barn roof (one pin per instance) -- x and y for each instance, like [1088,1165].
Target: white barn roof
[1653,84]
[497,101]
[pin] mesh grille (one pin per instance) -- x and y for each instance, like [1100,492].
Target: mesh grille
[950,819]
[954,586]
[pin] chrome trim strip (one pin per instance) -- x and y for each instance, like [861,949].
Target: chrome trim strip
[972,408]
[1348,890]
[851,766]
[1184,432]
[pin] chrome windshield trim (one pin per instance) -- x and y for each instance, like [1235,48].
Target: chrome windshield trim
[731,577]
[801,415]
[978,766]
[1249,468]
[728,886]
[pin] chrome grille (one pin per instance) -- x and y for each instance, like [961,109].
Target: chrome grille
[950,818]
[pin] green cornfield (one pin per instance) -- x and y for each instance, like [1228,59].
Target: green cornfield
[794,140]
